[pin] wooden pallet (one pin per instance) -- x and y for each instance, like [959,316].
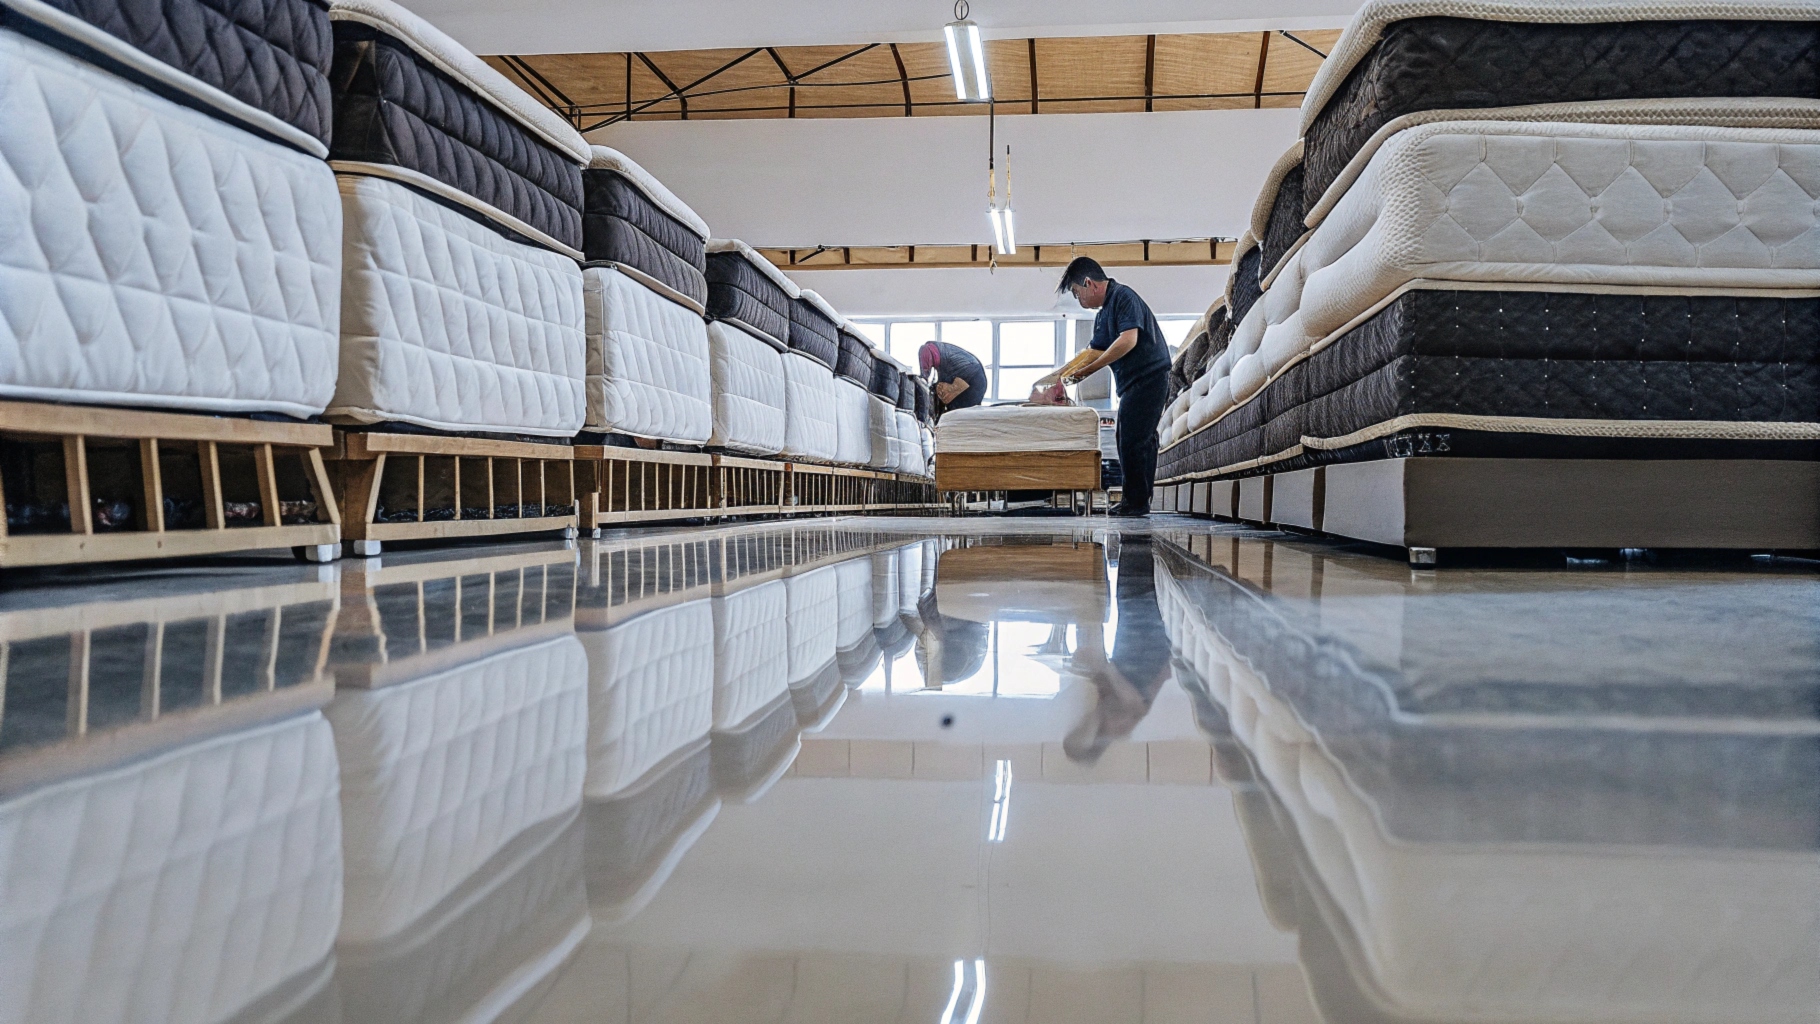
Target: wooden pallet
[235,475]
[642,485]
[832,490]
[750,487]
[431,487]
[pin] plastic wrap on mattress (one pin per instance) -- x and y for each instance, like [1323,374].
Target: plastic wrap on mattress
[156,256]
[855,359]
[1390,64]
[751,654]
[450,325]
[813,331]
[811,621]
[397,108]
[887,450]
[648,372]
[263,64]
[811,419]
[650,693]
[621,225]
[854,437]
[513,727]
[909,441]
[748,389]
[749,290]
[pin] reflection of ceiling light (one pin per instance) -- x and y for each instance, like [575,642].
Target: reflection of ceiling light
[967,57]
[976,992]
[1001,803]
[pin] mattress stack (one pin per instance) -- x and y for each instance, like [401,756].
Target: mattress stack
[885,388]
[913,461]
[1530,230]
[649,365]
[925,424]
[748,293]
[172,237]
[748,349]
[815,334]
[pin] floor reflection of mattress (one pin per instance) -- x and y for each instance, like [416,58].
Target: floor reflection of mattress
[1468,914]
[192,885]
[650,692]
[811,621]
[441,774]
[635,839]
[818,698]
[1053,583]
[855,648]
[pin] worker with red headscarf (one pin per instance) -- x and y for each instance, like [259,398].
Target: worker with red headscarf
[960,380]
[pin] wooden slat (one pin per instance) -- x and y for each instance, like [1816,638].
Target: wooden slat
[75,478]
[360,445]
[41,419]
[151,485]
[1001,471]
[267,471]
[320,488]
[59,549]
[210,456]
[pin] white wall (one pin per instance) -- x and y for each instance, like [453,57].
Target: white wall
[1009,291]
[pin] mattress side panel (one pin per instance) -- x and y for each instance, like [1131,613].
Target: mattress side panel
[748,389]
[648,372]
[812,333]
[853,424]
[811,424]
[609,196]
[737,290]
[650,693]
[1285,222]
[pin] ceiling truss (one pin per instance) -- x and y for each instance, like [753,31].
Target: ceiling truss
[1186,252]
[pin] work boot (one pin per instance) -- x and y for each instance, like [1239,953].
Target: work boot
[1124,511]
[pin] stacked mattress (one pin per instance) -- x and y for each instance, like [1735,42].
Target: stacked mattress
[1019,428]
[885,390]
[815,335]
[173,237]
[748,347]
[647,290]
[913,461]
[754,726]
[1537,229]
[461,197]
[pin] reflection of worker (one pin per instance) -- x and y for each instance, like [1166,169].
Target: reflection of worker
[960,380]
[1126,335]
[1127,683]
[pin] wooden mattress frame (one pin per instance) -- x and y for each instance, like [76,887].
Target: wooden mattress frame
[1018,471]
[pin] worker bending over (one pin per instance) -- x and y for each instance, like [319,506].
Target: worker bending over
[1127,338]
[960,380]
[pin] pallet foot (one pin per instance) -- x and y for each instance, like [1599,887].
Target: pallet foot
[570,532]
[1423,557]
[364,548]
[317,553]
[594,534]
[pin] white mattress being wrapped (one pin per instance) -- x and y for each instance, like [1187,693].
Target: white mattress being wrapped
[440,773]
[1019,428]
[648,370]
[881,428]
[853,424]
[751,653]
[650,693]
[447,324]
[152,255]
[178,888]
[853,583]
[909,444]
[811,430]
[811,621]
[747,376]
[1565,206]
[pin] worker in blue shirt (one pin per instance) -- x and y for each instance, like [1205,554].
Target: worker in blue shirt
[1126,335]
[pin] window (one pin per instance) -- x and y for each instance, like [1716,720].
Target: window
[973,335]
[906,338]
[1027,343]
[875,333]
[1175,332]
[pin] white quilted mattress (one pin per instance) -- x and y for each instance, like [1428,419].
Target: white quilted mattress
[440,773]
[1559,206]
[647,362]
[751,653]
[853,584]
[928,442]
[174,889]
[747,377]
[447,324]
[1019,428]
[811,621]
[911,459]
[852,423]
[810,430]
[650,693]
[881,420]
[152,255]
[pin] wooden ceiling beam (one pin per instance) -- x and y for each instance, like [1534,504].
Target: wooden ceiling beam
[1150,74]
[1034,107]
[677,92]
[904,77]
[1263,56]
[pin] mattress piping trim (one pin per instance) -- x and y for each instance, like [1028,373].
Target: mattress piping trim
[765,266]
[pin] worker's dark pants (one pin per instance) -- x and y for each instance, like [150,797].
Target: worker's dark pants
[1140,409]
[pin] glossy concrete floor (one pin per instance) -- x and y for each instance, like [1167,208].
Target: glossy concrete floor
[932,771]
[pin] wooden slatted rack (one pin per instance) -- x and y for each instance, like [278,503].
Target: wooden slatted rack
[91,484]
[828,490]
[642,485]
[749,487]
[431,487]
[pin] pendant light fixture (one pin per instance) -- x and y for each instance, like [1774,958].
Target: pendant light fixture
[1004,234]
[967,57]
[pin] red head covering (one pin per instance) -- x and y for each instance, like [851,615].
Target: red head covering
[929,355]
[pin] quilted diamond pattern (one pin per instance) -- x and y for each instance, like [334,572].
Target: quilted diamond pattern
[1461,63]
[1284,225]
[887,452]
[151,255]
[811,427]
[811,621]
[812,333]
[269,54]
[620,224]
[650,693]
[450,325]
[1247,282]
[911,459]
[648,372]
[439,774]
[749,391]
[854,436]
[175,889]
[740,292]
[751,653]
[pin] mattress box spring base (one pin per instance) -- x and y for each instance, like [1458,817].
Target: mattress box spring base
[438,487]
[823,490]
[621,485]
[159,485]
[1002,471]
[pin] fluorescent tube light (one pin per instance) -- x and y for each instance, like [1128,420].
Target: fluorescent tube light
[981,83]
[954,63]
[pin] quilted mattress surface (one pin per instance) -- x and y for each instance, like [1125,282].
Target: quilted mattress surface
[811,621]
[925,400]
[263,63]
[1400,57]
[440,773]
[854,361]
[622,225]
[648,372]
[887,449]
[751,653]
[650,693]
[855,439]
[1019,428]
[749,290]
[813,331]
[811,419]
[448,324]
[154,255]
[909,439]
[1246,283]
[887,378]
[749,391]
[225,852]
[1566,205]
[396,108]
